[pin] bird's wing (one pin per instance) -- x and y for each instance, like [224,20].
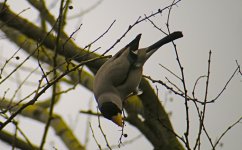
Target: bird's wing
[115,71]
[132,46]
[122,61]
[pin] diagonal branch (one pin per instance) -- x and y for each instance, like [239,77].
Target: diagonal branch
[39,114]
[70,50]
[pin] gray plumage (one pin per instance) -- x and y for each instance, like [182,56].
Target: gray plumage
[120,76]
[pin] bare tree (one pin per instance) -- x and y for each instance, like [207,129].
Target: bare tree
[59,60]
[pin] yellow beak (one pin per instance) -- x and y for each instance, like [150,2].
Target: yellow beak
[118,119]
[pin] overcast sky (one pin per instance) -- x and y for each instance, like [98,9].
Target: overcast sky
[206,25]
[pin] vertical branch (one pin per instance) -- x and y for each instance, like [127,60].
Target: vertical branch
[64,16]
[15,136]
[207,82]
[183,82]
[104,135]
[93,135]
[46,15]
[201,126]
[89,126]
[42,20]
[59,21]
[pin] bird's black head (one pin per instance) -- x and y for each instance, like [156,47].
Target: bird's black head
[109,109]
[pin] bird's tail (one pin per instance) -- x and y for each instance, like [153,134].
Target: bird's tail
[171,37]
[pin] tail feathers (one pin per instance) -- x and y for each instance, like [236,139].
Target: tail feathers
[171,37]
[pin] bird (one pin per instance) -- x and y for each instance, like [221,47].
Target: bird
[120,76]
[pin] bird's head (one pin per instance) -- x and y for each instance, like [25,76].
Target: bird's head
[110,106]
[112,112]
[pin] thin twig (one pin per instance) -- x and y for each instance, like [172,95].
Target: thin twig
[25,137]
[8,60]
[93,135]
[22,84]
[40,66]
[229,128]
[16,68]
[104,135]
[39,92]
[183,82]
[110,26]
[98,38]
[171,89]
[71,36]
[238,67]
[173,84]
[156,25]
[195,85]
[205,100]
[139,20]
[170,72]
[52,102]
[90,112]
[225,86]
[89,117]
[122,130]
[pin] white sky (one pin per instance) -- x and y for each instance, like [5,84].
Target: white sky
[206,25]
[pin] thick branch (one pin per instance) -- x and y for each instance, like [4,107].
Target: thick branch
[69,49]
[8,138]
[157,119]
[58,124]
[44,54]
